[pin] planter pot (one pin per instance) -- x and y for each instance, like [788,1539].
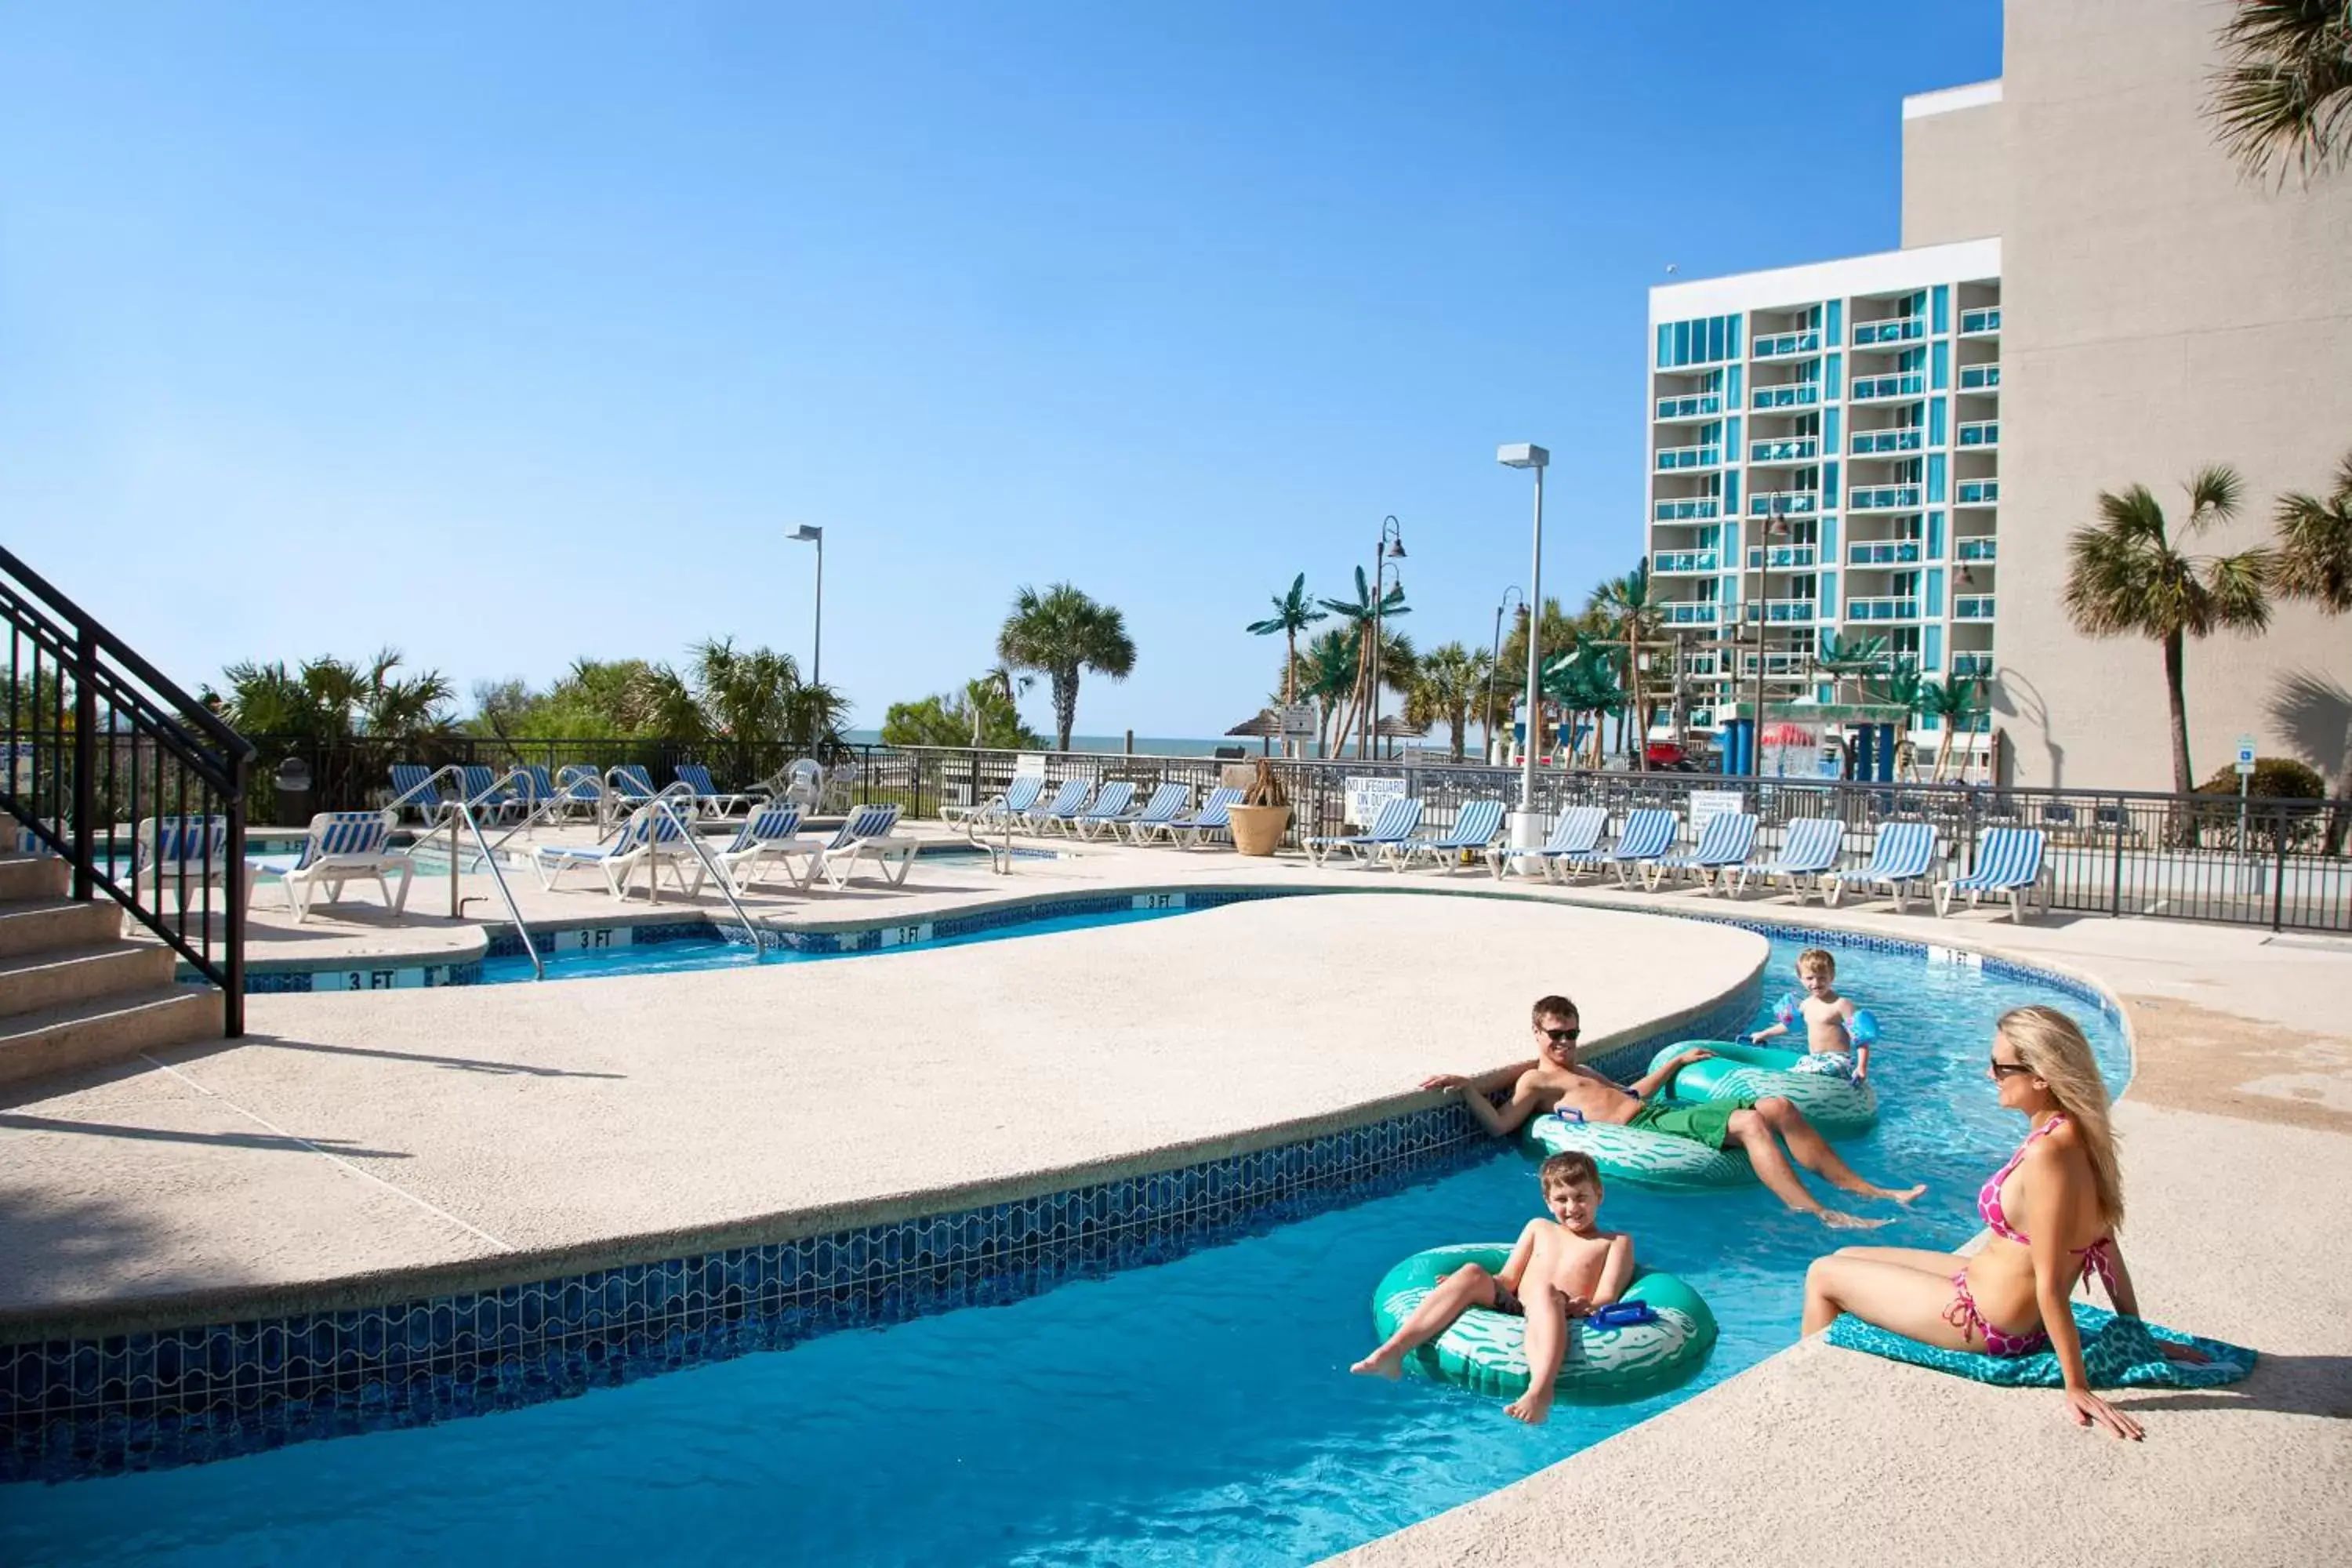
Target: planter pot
[1257,829]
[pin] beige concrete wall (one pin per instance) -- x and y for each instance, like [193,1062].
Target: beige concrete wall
[2158,312]
[1955,175]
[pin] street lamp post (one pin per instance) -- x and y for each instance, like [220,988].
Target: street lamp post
[1494,657]
[1527,830]
[808,533]
[1388,547]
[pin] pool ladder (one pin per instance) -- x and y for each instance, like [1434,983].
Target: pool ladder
[462,810]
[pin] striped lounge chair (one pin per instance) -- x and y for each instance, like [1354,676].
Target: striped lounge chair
[344,847]
[1400,815]
[1215,816]
[487,795]
[1473,830]
[1167,803]
[768,833]
[864,835]
[1644,840]
[1810,849]
[1103,813]
[1575,841]
[652,838]
[1718,861]
[706,795]
[2009,861]
[188,854]
[1903,859]
[1060,811]
[578,787]
[997,810]
[414,789]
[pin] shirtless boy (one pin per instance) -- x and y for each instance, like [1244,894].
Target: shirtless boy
[1562,1268]
[1554,1081]
[1830,1045]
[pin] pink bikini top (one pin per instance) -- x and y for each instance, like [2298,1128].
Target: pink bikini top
[2097,1258]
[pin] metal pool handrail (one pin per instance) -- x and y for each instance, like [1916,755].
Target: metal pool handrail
[726,886]
[465,808]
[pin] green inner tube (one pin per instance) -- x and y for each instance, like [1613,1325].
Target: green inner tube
[1486,1352]
[1831,1102]
[1645,1158]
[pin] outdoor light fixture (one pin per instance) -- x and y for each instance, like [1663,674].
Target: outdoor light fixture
[1526,831]
[808,533]
[1388,547]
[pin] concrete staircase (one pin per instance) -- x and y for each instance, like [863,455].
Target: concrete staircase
[73,991]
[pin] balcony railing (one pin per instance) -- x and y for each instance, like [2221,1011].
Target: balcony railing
[1780,611]
[1881,497]
[1972,608]
[1690,614]
[1783,343]
[1901,330]
[1977,664]
[1783,503]
[1796,664]
[1686,511]
[1869,388]
[1792,450]
[1975,548]
[1690,456]
[1980,492]
[1980,433]
[1883,553]
[1867,442]
[1692,405]
[1801,394]
[1791,555]
[1979,377]
[1884,609]
[1987,320]
[1683,560]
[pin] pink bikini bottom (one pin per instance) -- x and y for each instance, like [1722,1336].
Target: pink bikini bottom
[1962,1314]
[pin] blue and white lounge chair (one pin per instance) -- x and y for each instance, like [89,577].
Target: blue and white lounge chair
[344,847]
[1719,860]
[1400,815]
[1644,840]
[1473,830]
[186,854]
[696,777]
[630,783]
[489,799]
[1904,858]
[1810,849]
[864,835]
[1062,810]
[994,812]
[1103,813]
[414,789]
[581,788]
[2009,861]
[1575,840]
[768,833]
[1167,803]
[1187,832]
[652,838]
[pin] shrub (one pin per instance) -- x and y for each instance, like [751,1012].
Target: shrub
[2275,778]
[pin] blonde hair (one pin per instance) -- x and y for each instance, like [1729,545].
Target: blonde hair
[1817,958]
[2052,1044]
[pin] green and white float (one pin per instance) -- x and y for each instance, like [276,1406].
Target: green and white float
[1831,1102]
[1637,1155]
[1486,1352]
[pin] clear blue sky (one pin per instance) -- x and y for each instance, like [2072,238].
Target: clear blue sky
[1173,301]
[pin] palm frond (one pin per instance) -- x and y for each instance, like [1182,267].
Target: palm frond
[2283,98]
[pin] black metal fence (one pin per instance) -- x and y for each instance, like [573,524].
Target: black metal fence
[96,749]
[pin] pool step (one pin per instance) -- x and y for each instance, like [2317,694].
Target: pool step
[56,925]
[99,1029]
[33,876]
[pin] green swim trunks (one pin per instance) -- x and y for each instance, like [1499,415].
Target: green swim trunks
[1705,1121]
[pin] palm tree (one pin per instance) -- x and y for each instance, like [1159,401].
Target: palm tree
[1624,606]
[1328,667]
[2286,94]
[2314,560]
[1006,689]
[1855,659]
[1293,612]
[2127,580]
[1447,682]
[1060,633]
[1963,696]
[1582,678]
[1359,613]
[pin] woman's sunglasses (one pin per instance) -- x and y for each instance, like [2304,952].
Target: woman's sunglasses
[2009,1069]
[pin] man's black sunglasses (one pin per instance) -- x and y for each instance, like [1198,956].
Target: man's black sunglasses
[1562,1037]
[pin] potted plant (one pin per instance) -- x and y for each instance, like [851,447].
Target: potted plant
[1263,815]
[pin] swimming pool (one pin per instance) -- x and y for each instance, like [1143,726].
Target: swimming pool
[1198,1409]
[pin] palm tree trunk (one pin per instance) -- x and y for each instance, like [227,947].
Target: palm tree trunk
[1065,706]
[2182,829]
[1638,755]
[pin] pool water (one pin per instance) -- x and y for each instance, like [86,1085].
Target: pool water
[1195,1411]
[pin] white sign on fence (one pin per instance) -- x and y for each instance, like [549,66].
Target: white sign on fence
[1029,764]
[1707,804]
[1297,718]
[1365,797]
[2246,753]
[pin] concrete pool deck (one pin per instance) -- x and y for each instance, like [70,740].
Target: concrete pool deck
[150,1192]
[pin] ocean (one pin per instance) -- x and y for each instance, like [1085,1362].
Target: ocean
[1145,746]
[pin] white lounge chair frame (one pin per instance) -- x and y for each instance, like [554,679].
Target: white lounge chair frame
[341,848]
[2013,862]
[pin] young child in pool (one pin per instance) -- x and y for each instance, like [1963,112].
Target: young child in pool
[1829,1021]
[1562,1268]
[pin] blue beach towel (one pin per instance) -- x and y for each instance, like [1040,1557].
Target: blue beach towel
[2118,1352]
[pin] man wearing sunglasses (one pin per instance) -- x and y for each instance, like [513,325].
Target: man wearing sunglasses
[1555,1081]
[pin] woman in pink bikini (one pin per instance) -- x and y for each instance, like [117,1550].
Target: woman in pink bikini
[2052,1210]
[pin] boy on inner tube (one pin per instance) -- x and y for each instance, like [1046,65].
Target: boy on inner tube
[1554,1081]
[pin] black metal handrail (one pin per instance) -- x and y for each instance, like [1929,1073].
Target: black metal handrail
[107,761]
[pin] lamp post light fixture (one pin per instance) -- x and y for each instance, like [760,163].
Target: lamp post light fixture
[1494,657]
[1388,547]
[1527,831]
[808,533]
